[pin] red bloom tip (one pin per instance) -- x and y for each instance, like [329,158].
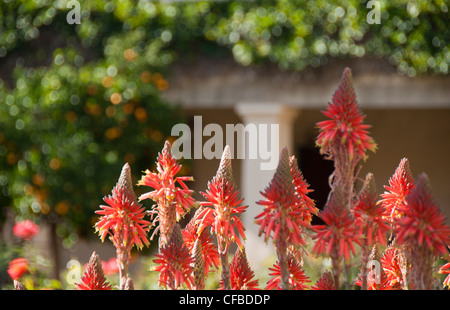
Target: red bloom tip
[93,277]
[17,267]
[241,277]
[346,126]
[287,208]
[225,201]
[369,214]
[400,185]
[423,223]
[123,217]
[175,263]
[325,282]
[297,277]
[25,230]
[172,202]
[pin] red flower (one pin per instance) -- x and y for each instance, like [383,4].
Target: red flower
[369,214]
[445,269]
[339,233]
[297,277]
[423,223]
[326,282]
[306,206]
[174,262]
[241,275]
[223,196]
[346,126]
[287,209]
[110,267]
[17,267]
[122,218]
[25,229]
[400,185]
[192,233]
[93,277]
[391,266]
[172,202]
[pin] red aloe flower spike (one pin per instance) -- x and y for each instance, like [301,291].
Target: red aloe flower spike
[344,138]
[199,269]
[346,125]
[445,269]
[325,282]
[307,207]
[391,267]
[192,234]
[241,274]
[283,216]
[369,219]
[336,239]
[296,276]
[123,220]
[400,185]
[174,263]
[93,277]
[423,230]
[223,205]
[172,202]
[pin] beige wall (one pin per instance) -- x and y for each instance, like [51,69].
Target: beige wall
[423,136]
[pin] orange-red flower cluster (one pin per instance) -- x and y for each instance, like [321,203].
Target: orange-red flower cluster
[369,214]
[242,277]
[17,267]
[288,210]
[25,229]
[400,185]
[174,262]
[325,282]
[192,233]
[445,269]
[223,206]
[172,202]
[123,218]
[345,126]
[339,233]
[93,277]
[297,276]
[423,223]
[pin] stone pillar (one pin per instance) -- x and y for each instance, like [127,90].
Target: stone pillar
[254,179]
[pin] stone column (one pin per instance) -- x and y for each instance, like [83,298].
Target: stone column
[253,178]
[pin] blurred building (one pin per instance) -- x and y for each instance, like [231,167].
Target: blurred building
[410,117]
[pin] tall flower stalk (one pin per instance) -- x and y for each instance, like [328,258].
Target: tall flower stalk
[123,220]
[171,201]
[287,212]
[337,238]
[222,207]
[369,218]
[344,138]
[423,230]
[394,202]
